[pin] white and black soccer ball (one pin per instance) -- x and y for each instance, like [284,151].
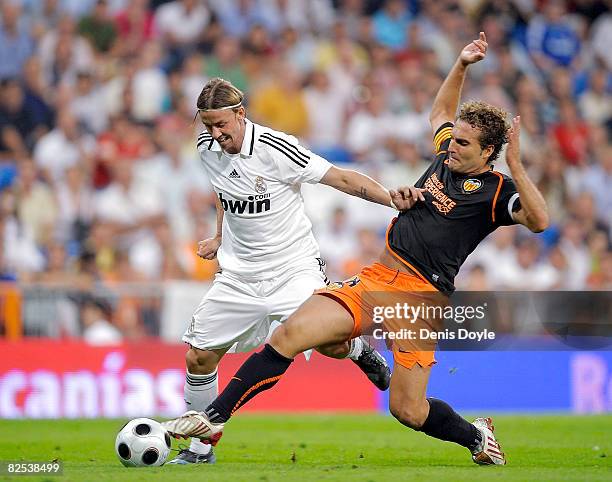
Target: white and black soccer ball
[142,442]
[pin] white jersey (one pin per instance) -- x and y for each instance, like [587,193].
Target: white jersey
[265,228]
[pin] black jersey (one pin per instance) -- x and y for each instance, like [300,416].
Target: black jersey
[436,236]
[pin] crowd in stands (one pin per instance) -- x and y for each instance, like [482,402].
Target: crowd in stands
[100,181]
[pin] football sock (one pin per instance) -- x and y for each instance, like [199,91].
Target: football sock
[260,372]
[200,390]
[446,424]
[355,349]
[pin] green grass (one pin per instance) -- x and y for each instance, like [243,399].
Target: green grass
[328,448]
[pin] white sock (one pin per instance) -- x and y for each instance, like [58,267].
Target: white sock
[355,349]
[200,390]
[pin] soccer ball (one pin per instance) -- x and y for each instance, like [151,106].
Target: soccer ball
[142,442]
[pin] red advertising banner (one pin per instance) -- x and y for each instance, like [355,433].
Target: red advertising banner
[52,379]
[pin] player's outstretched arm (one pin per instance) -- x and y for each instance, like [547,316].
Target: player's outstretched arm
[447,99]
[360,185]
[533,212]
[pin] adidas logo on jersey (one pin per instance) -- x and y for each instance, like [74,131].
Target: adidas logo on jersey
[253,204]
[234,175]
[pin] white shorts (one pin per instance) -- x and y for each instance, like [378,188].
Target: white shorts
[241,314]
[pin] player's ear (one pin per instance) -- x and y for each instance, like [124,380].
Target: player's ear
[487,151]
[241,113]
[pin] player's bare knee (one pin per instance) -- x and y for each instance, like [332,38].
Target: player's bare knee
[412,415]
[285,339]
[201,362]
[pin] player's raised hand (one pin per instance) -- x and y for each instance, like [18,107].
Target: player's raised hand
[475,51]
[513,150]
[406,197]
[207,248]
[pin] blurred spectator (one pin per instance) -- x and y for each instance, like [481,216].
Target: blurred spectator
[527,270]
[63,53]
[181,23]
[20,124]
[368,129]
[192,77]
[551,38]
[135,26]
[36,206]
[238,17]
[571,134]
[368,250]
[44,15]
[596,102]
[225,63]
[390,24]
[123,140]
[314,15]
[338,242]
[88,103]
[99,27]
[573,246]
[63,147]
[75,200]
[20,255]
[134,208]
[407,166]
[281,103]
[553,185]
[197,268]
[326,107]
[176,174]
[149,85]
[602,279]
[597,180]
[16,44]
[497,251]
[97,327]
[351,13]
[601,35]
[38,94]
[476,279]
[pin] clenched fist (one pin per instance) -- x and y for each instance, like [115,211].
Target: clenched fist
[207,248]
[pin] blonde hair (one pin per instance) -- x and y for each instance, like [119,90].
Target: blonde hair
[220,94]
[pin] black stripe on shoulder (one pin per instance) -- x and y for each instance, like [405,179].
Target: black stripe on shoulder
[211,143]
[283,150]
[203,137]
[287,144]
[252,140]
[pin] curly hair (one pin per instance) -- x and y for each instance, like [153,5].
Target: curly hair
[490,121]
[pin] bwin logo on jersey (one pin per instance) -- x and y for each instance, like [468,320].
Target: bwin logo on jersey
[252,204]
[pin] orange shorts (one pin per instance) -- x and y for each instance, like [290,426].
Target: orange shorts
[377,287]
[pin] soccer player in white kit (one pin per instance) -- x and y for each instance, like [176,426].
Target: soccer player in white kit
[269,258]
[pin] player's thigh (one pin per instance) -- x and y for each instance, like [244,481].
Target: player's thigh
[318,321]
[408,392]
[294,291]
[229,313]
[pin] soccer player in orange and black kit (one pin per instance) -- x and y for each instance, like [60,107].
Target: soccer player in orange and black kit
[457,202]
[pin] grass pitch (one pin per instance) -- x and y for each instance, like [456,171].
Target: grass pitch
[327,448]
